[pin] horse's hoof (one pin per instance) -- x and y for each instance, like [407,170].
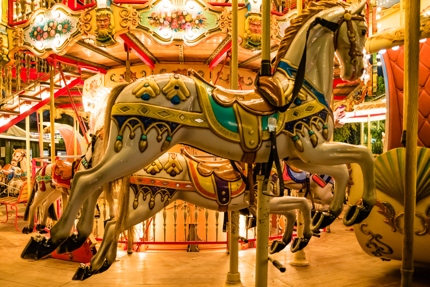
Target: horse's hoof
[40,227]
[38,247]
[298,244]
[104,267]
[356,214]
[83,272]
[322,220]
[277,246]
[72,243]
[27,230]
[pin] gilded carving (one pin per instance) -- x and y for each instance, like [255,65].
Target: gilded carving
[374,242]
[84,24]
[129,18]
[176,90]
[387,210]
[105,27]
[18,36]
[225,21]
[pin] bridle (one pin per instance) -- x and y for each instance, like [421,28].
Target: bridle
[87,163]
[348,18]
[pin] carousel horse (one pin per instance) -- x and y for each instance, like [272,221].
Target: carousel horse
[144,118]
[317,188]
[52,181]
[15,171]
[214,185]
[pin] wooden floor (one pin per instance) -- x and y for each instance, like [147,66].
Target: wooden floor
[335,260]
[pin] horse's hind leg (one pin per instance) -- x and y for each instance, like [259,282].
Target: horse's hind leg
[40,197]
[286,206]
[49,201]
[337,154]
[84,226]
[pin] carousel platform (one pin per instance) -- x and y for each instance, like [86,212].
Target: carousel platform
[335,258]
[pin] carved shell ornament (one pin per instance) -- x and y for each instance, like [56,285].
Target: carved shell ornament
[390,171]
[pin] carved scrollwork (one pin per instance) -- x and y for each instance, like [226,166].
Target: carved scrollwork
[387,210]
[225,21]
[129,18]
[18,36]
[85,23]
[374,242]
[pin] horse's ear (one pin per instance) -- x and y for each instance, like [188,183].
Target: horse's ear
[359,8]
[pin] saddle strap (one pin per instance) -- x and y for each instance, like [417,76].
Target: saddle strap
[274,157]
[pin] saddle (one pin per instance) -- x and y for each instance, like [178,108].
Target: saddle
[62,173]
[251,101]
[215,180]
[293,175]
[223,168]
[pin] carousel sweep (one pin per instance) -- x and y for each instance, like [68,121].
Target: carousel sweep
[145,118]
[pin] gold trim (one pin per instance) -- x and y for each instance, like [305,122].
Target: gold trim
[160,113]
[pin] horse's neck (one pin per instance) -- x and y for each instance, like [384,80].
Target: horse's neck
[319,62]
[23,164]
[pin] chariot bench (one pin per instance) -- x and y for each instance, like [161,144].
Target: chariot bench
[13,201]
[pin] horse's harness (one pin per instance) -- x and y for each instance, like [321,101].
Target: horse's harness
[300,77]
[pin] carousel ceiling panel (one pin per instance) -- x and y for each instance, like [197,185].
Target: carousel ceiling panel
[85,54]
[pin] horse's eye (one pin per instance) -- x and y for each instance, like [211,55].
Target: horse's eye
[363,32]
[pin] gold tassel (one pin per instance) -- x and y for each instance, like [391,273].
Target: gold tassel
[143,144]
[118,145]
[325,132]
[313,138]
[298,143]
[135,202]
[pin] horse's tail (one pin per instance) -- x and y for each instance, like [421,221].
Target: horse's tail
[31,196]
[123,201]
[111,101]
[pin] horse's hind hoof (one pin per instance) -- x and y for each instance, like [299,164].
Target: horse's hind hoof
[356,214]
[72,243]
[83,272]
[277,246]
[38,247]
[27,230]
[322,220]
[298,244]
[104,267]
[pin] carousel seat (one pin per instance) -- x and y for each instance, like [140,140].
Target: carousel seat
[13,201]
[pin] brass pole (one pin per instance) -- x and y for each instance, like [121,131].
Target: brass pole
[369,135]
[263,232]
[412,34]
[233,275]
[40,132]
[52,111]
[27,150]
[299,7]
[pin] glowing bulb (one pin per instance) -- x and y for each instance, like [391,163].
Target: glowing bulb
[379,63]
[379,9]
[378,17]
[395,48]
[379,26]
[382,51]
[423,40]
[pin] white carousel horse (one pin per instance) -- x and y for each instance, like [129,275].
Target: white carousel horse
[145,118]
[317,188]
[15,171]
[214,185]
[52,181]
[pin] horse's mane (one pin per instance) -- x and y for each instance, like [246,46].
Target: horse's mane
[297,23]
[111,101]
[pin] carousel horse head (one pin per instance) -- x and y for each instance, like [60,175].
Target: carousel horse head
[17,156]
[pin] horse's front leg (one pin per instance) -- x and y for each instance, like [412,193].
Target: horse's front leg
[336,154]
[286,206]
[84,226]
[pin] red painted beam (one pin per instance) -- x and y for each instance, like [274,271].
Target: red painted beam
[56,58]
[141,54]
[71,4]
[69,106]
[40,104]
[217,59]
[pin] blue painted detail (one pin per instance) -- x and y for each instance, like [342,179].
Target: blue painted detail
[265,120]
[145,121]
[175,100]
[311,132]
[297,102]
[294,138]
[145,97]
[225,116]
[143,137]
[119,138]
[169,138]
[292,73]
